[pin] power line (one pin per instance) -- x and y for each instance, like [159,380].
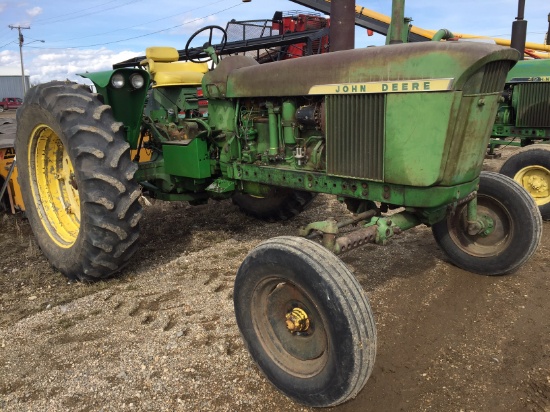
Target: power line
[89,14]
[141,24]
[37,21]
[1,47]
[137,37]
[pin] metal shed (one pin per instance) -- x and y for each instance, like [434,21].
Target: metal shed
[10,82]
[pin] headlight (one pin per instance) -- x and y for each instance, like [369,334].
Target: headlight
[137,81]
[117,81]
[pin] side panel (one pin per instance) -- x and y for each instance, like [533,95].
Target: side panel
[190,160]
[417,137]
[471,133]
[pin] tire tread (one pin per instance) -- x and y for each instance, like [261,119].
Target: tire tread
[110,210]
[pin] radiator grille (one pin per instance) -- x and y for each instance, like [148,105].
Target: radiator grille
[355,136]
[494,76]
[533,109]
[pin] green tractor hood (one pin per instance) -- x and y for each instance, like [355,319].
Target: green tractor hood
[530,71]
[240,76]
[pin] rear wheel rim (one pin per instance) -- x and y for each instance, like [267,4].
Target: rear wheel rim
[54,188]
[499,238]
[536,180]
[302,354]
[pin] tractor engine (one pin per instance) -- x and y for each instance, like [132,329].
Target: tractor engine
[373,114]
[289,131]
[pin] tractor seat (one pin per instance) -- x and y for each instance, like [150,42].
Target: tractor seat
[166,70]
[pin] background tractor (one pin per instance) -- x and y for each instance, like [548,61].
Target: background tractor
[523,119]
[398,127]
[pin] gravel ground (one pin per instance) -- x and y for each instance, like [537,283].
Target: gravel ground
[162,336]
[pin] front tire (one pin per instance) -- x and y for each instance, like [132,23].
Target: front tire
[530,167]
[306,321]
[514,238]
[76,179]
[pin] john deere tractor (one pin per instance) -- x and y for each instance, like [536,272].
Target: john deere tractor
[523,119]
[399,126]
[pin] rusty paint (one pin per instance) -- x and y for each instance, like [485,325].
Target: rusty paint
[342,25]
[404,62]
[356,239]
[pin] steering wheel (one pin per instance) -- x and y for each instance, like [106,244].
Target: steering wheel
[206,45]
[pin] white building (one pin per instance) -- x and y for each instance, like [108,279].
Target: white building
[10,82]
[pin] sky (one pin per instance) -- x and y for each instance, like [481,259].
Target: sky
[90,36]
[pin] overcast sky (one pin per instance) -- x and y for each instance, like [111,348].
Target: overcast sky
[92,35]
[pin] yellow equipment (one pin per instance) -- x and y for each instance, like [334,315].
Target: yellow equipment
[10,193]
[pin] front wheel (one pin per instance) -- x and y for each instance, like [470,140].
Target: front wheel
[306,321]
[515,229]
[76,179]
[530,167]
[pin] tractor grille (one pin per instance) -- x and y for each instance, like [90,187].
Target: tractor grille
[355,135]
[533,109]
[494,76]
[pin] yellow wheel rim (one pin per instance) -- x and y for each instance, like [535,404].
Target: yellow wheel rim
[536,180]
[54,187]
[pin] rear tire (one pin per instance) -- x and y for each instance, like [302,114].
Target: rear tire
[514,238]
[325,360]
[530,167]
[76,179]
[279,204]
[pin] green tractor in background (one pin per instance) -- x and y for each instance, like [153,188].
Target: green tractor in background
[523,119]
[404,126]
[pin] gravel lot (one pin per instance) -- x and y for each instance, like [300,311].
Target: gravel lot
[162,336]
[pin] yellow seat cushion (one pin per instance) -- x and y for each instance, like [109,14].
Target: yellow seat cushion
[162,54]
[166,70]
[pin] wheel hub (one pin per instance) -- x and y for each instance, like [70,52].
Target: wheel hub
[290,326]
[297,320]
[54,186]
[536,180]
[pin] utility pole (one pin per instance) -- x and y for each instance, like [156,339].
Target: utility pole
[21,40]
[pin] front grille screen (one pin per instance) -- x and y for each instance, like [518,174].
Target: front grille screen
[533,109]
[355,135]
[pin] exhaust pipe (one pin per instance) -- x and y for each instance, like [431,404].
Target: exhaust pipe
[342,25]
[397,25]
[519,30]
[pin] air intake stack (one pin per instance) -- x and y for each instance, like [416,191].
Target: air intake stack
[519,30]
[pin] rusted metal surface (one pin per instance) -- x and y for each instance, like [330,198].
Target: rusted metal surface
[342,25]
[374,64]
[356,239]
[214,83]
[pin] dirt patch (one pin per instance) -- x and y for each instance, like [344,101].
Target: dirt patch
[163,337]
